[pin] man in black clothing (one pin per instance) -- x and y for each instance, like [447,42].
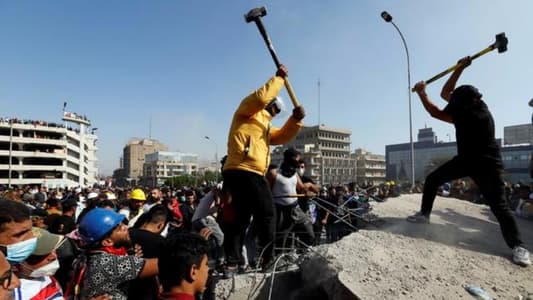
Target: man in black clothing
[65,223]
[188,208]
[478,156]
[147,234]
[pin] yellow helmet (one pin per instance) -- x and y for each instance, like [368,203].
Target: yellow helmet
[138,194]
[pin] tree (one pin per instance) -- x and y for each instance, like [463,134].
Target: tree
[192,180]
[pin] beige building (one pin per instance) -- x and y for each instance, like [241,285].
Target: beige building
[327,153]
[162,165]
[518,134]
[370,167]
[134,154]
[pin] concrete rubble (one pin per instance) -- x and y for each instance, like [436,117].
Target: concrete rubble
[462,245]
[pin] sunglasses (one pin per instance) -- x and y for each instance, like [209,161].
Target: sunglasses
[5,279]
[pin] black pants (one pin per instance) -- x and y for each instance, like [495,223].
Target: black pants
[487,174]
[251,196]
[293,219]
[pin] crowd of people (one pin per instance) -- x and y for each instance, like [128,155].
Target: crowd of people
[7,120]
[105,243]
[169,243]
[101,243]
[89,243]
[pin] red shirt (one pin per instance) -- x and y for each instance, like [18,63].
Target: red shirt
[176,296]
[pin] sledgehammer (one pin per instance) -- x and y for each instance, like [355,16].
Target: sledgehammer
[500,44]
[255,15]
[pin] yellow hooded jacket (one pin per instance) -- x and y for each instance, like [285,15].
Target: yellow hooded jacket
[251,132]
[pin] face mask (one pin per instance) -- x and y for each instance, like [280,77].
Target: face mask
[18,252]
[300,171]
[164,233]
[46,270]
[182,199]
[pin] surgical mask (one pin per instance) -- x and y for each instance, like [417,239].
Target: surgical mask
[18,252]
[182,199]
[164,233]
[46,270]
[300,171]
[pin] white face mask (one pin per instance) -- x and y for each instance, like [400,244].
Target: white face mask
[46,270]
[300,171]
[164,233]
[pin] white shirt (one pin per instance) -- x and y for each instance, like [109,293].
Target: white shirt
[202,210]
[46,288]
[283,187]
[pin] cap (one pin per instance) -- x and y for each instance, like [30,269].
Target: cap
[77,190]
[92,195]
[46,241]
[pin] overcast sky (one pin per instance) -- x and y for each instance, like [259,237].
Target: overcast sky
[188,64]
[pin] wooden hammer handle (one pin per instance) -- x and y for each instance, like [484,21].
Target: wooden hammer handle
[288,85]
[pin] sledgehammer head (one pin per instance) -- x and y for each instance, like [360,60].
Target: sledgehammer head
[255,14]
[501,42]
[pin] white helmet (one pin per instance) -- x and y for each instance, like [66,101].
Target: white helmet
[280,105]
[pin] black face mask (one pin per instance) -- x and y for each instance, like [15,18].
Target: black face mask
[272,109]
[288,168]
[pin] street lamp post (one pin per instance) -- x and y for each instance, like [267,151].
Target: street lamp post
[388,18]
[216,155]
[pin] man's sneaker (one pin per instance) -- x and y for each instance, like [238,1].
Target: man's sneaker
[521,256]
[229,272]
[418,218]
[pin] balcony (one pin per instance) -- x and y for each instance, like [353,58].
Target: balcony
[32,168]
[29,140]
[57,154]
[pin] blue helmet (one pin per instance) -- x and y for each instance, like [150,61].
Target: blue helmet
[97,223]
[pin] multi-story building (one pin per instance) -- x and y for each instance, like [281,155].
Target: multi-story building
[518,134]
[516,161]
[161,165]
[134,155]
[430,153]
[327,152]
[516,152]
[370,167]
[47,153]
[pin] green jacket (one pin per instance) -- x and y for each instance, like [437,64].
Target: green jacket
[251,132]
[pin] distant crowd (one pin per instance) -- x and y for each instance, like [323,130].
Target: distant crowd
[35,123]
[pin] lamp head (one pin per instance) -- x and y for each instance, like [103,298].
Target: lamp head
[385,15]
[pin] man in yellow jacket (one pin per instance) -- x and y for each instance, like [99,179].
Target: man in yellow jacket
[249,140]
